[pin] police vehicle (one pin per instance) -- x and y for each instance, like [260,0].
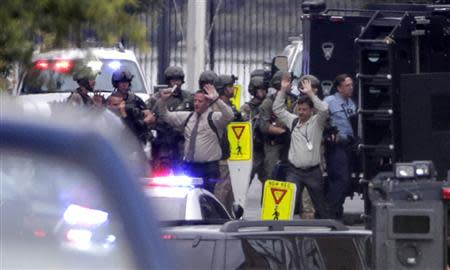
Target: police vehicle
[50,78]
[181,198]
[69,199]
[297,244]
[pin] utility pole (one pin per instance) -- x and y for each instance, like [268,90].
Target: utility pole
[196,23]
[163,42]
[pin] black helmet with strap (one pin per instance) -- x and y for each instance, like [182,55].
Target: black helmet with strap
[121,75]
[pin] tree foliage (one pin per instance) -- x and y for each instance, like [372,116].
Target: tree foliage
[63,23]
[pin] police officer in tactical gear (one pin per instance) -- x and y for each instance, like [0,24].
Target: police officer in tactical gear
[275,133]
[258,88]
[85,77]
[167,147]
[223,190]
[207,77]
[225,87]
[137,117]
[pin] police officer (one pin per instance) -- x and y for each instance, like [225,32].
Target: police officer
[275,132]
[339,154]
[223,190]
[136,115]
[258,88]
[179,100]
[167,147]
[85,77]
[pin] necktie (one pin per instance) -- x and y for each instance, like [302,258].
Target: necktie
[191,148]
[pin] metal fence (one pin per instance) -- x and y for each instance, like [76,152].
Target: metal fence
[241,34]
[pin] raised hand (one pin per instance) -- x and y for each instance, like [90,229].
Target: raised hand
[306,87]
[211,92]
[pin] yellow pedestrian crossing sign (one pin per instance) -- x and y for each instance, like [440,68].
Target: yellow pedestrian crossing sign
[236,99]
[278,200]
[240,138]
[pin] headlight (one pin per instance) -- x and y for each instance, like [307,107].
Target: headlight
[404,170]
[416,169]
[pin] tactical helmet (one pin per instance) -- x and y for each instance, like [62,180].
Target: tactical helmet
[315,83]
[84,72]
[173,73]
[224,81]
[121,75]
[263,73]
[257,83]
[276,79]
[207,77]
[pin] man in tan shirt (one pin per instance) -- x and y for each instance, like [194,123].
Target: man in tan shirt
[202,150]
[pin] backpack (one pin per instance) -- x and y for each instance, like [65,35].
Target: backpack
[294,123]
[223,139]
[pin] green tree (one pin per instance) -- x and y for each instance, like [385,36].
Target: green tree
[63,23]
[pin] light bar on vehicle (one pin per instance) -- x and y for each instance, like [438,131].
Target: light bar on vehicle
[63,66]
[95,65]
[41,64]
[114,65]
[79,215]
[175,181]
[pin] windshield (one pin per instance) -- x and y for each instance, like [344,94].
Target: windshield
[47,76]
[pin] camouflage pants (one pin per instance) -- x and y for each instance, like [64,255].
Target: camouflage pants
[272,154]
[223,190]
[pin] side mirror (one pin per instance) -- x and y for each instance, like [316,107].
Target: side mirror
[279,62]
[238,211]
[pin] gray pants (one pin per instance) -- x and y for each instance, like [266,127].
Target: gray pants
[313,181]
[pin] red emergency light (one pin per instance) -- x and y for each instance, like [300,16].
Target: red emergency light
[63,66]
[41,64]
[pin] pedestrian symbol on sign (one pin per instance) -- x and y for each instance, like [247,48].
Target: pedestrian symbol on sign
[240,138]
